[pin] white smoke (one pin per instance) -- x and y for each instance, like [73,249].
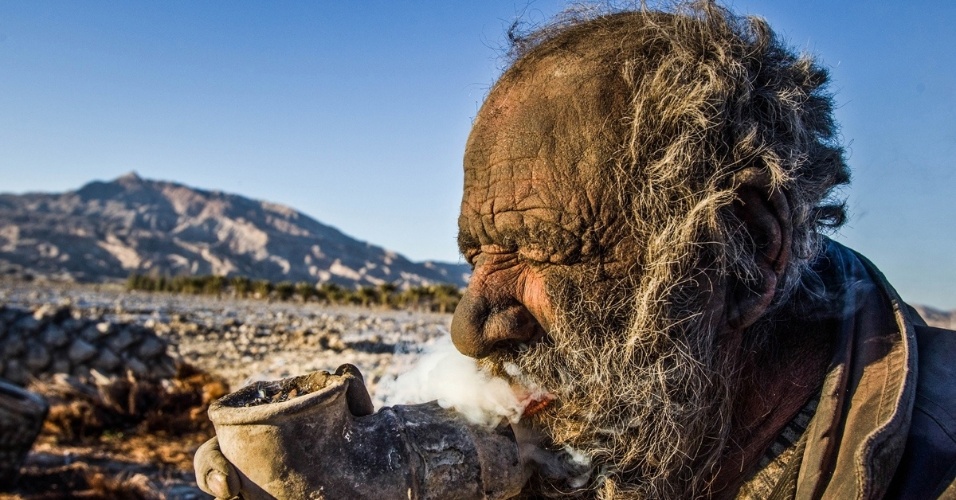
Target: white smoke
[454,380]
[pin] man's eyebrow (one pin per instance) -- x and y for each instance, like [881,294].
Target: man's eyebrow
[466,241]
[513,238]
[507,238]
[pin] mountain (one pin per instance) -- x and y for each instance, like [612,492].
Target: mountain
[936,317]
[108,230]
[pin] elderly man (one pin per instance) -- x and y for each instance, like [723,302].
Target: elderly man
[644,199]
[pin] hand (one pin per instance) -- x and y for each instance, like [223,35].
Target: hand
[333,401]
[318,433]
[214,474]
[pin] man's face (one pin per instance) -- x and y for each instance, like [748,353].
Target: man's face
[535,211]
[556,300]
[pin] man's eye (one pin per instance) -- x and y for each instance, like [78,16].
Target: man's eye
[536,255]
[498,249]
[470,257]
[493,257]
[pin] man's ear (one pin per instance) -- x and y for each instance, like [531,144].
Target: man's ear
[765,215]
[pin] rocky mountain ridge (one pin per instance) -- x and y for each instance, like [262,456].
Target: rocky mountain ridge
[937,317]
[109,230]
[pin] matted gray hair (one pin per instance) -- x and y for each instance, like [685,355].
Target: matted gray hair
[695,96]
[710,94]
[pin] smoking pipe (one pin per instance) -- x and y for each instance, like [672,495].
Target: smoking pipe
[317,436]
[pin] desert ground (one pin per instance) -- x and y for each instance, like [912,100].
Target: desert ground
[91,447]
[129,375]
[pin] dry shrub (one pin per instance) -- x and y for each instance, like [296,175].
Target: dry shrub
[118,437]
[183,409]
[86,409]
[79,480]
[134,487]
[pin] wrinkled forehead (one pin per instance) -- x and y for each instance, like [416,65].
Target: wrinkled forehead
[559,111]
[540,147]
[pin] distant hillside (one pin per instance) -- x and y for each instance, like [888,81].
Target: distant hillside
[936,317]
[107,230]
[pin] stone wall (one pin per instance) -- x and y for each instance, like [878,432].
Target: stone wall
[49,340]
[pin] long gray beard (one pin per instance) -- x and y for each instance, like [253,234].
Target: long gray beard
[647,396]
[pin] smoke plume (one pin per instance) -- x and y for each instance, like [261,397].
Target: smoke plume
[454,380]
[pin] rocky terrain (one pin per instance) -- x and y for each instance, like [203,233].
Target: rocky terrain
[247,340]
[130,374]
[232,341]
[109,230]
[42,341]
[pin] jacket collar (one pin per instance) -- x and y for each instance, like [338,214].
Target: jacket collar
[855,439]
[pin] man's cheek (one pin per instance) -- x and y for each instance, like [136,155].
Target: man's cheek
[536,297]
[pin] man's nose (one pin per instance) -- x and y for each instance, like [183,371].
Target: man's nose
[480,326]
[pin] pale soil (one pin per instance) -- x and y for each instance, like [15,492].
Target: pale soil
[238,340]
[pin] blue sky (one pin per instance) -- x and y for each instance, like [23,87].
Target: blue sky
[357,112]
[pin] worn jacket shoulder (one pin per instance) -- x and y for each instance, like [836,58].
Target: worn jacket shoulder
[928,465]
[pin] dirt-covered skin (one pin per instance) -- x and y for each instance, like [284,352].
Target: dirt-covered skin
[537,202]
[641,190]
[644,198]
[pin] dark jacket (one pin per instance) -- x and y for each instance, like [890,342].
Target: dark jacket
[885,425]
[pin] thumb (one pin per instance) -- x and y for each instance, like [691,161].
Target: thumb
[214,474]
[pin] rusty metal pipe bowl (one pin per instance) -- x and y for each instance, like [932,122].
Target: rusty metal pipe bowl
[317,436]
